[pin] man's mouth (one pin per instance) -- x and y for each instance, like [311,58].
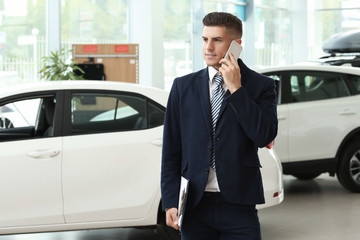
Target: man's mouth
[210,55]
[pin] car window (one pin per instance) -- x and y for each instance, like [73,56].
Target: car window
[102,112]
[354,82]
[27,118]
[316,86]
[156,115]
[276,77]
[294,83]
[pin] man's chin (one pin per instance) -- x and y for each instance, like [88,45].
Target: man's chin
[214,64]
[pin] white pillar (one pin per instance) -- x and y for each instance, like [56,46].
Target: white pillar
[299,31]
[146,29]
[197,29]
[53,33]
[248,53]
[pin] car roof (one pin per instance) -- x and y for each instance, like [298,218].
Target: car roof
[312,67]
[155,94]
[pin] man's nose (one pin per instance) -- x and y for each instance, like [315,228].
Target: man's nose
[209,45]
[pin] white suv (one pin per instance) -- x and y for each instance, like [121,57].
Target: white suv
[319,121]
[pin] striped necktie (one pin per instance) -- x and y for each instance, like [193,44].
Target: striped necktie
[216,100]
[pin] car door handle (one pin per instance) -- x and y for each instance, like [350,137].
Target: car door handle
[281,117]
[347,112]
[157,142]
[44,153]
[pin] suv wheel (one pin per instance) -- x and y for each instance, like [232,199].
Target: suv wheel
[348,171]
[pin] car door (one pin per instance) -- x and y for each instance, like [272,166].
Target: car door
[317,111]
[112,156]
[30,161]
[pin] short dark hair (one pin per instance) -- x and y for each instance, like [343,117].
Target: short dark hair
[232,23]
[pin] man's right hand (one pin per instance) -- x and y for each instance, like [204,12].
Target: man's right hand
[172,218]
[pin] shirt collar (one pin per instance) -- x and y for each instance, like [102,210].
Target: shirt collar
[212,72]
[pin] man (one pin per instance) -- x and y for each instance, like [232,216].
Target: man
[217,153]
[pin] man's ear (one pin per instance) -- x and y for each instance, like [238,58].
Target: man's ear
[238,40]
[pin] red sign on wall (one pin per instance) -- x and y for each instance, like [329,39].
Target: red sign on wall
[121,48]
[90,48]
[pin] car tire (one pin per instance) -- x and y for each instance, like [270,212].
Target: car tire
[169,232]
[348,172]
[306,176]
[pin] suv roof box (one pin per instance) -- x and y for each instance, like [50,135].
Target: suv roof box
[346,42]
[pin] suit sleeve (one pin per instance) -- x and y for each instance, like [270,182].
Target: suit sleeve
[171,152]
[258,117]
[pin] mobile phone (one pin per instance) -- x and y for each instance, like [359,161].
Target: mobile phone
[235,48]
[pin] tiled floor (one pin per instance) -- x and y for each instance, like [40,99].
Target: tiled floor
[312,210]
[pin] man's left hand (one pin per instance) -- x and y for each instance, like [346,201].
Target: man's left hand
[230,71]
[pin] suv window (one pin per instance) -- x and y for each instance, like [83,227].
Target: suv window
[354,82]
[27,118]
[276,78]
[316,86]
[102,112]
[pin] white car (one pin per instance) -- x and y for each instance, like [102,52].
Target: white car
[319,121]
[87,154]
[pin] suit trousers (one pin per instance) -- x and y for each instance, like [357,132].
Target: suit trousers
[216,219]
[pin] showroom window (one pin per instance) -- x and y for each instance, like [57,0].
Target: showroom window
[212,6]
[94,22]
[273,32]
[22,40]
[177,40]
[327,18]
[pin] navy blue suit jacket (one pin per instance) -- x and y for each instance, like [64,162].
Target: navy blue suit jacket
[247,120]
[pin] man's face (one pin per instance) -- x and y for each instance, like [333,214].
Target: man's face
[216,41]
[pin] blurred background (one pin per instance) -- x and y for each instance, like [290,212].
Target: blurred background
[276,32]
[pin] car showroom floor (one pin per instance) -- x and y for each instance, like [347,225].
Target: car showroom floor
[318,210]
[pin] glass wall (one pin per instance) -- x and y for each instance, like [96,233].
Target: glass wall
[22,40]
[213,6]
[23,29]
[327,18]
[273,32]
[177,39]
[94,22]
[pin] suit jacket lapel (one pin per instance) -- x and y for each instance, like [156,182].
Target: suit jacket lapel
[205,99]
